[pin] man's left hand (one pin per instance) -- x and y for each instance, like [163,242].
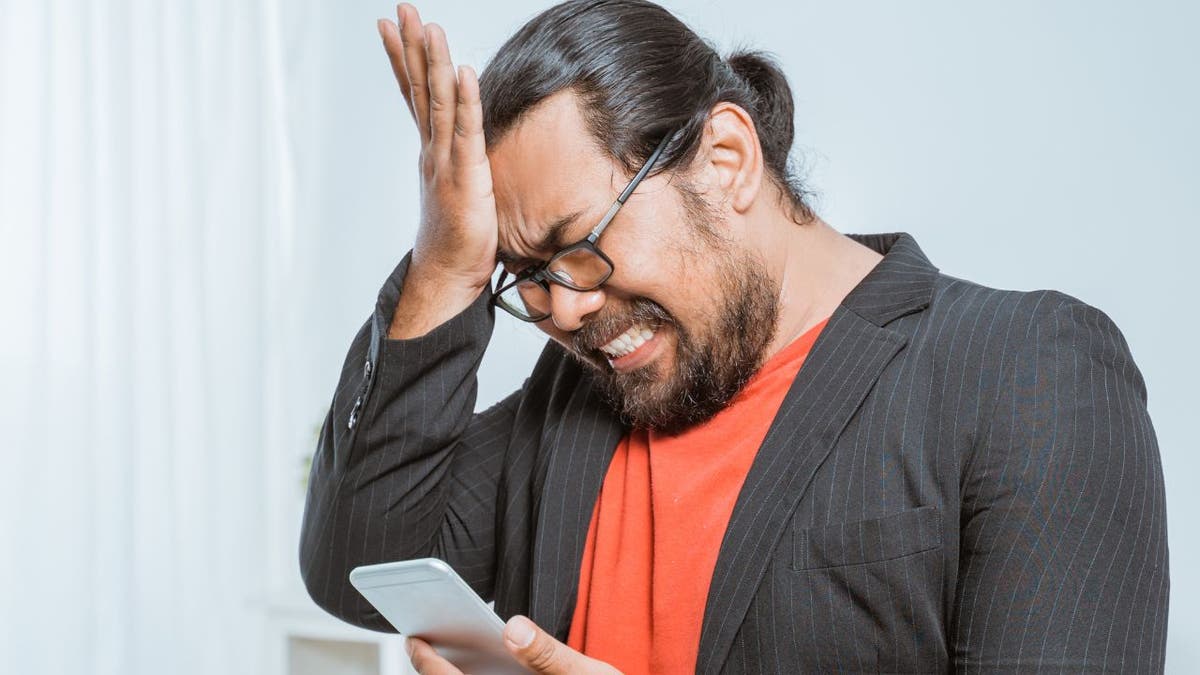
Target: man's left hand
[531,646]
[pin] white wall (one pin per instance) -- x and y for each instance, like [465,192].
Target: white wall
[143,236]
[1024,144]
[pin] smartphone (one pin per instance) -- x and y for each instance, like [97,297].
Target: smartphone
[425,598]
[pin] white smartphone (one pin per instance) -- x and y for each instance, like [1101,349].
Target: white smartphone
[425,598]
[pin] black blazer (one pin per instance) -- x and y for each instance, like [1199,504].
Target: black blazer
[960,477]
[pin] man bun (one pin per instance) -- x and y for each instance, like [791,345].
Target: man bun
[641,73]
[773,110]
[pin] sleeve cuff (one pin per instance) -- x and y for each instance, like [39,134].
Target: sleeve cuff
[470,328]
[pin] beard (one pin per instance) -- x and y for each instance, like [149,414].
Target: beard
[713,360]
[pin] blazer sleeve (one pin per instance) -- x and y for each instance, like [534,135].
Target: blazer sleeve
[404,468]
[1063,561]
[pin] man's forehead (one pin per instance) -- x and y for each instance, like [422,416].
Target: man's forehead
[556,119]
[547,173]
[550,151]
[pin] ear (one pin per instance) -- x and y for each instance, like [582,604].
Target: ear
[734,155]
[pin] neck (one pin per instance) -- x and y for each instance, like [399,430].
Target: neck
[815,267]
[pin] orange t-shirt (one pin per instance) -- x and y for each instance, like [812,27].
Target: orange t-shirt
[657,527]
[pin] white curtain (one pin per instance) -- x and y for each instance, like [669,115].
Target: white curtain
[145,258]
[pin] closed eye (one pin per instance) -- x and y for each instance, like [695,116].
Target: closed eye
[515,265]
[516,269]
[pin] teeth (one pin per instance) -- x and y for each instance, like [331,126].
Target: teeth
[625,343]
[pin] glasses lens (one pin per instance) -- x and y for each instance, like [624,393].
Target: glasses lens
[527,299]
[580,268]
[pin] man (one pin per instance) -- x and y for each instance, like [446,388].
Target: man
[752,443]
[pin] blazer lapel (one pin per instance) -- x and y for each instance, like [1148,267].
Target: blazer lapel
[581,448]
[842,367]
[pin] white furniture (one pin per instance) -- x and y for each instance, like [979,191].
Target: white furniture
[303,640]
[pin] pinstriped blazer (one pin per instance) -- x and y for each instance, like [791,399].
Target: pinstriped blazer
[960,478]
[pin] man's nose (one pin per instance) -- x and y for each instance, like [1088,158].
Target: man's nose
[568,306]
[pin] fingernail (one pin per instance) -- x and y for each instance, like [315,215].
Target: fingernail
[520,631]
[408,646]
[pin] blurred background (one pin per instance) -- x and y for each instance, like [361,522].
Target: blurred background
[199,200]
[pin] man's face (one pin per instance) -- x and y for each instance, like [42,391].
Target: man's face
[687,314]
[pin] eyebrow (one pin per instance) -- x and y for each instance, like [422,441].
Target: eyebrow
[551,241]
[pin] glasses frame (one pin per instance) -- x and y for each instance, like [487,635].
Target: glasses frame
[541,273]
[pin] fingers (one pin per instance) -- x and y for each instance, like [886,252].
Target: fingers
[445,106]
[537,650]
[443,89]
[412,35]
[468,150]
[395,51]
[426,661]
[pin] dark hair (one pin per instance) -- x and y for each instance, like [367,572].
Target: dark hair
[641,73]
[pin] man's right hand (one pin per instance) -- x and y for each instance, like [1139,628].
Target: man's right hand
[455,251]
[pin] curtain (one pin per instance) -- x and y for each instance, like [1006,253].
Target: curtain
[145,257]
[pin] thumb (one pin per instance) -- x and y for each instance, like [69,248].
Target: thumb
[537,650]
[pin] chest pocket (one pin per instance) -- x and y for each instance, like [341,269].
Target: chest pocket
[865,541]
[863,596]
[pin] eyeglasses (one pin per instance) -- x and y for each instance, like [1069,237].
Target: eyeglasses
[581,266]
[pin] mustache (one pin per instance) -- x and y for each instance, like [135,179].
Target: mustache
[599,331]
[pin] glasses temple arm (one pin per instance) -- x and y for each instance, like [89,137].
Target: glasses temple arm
[612,210]
[645,169]
[599,228]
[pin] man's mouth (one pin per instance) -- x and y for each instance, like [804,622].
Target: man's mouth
[623,341]
[628,341]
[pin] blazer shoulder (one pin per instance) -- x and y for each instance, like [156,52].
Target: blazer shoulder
[957,297]
[964,317]
[1004,322]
